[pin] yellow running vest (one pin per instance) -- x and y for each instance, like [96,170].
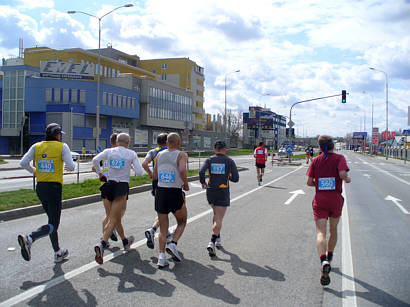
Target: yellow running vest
[49,161]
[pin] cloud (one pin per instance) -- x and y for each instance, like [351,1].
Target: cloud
[31,4]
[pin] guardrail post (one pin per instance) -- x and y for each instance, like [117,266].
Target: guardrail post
[199,160]
[78,171]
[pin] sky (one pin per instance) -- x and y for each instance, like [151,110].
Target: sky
[286,50]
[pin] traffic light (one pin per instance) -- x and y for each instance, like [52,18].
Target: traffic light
[343,96]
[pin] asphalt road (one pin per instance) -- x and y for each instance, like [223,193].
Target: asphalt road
[268,257]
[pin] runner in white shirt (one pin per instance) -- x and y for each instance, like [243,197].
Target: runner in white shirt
[121,160]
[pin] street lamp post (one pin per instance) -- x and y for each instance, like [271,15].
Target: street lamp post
[387,105]
[97,110]
[371,146]
[225,130]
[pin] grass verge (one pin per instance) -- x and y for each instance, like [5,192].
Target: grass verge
[2,161]
[24,197]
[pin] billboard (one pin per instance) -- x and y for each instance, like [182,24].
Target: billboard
[63,70]
[359,135]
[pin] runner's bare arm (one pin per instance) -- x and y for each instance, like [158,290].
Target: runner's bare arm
[137,166]
[145,166]
[311,181]
[343,175]
[182,162]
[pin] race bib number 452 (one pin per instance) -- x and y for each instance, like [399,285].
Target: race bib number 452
[218,168]
[45,166]
[166,176]
[117,164]
[327,184]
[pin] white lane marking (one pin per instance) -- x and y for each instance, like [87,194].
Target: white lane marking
[58,280]
[195,185]
[367,175]
[387,173]
[348,284]
[294,195]
[396,202]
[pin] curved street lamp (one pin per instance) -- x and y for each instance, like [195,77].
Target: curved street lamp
[387,105]
[97,110]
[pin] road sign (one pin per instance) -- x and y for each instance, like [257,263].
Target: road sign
[289,149]
[291,124]
[406,132]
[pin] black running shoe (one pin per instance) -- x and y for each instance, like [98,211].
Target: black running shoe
[150,235]
[325,279]
[25,247]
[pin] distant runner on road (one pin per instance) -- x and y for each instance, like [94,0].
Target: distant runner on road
[221,169]
[326,173]
[261,155]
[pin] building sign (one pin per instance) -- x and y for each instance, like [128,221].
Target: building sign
[141,137]
[359,135]
[207,142]
[388,135]
[267,134]
[63,70]
[375,136]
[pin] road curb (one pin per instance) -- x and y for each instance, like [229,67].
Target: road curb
[75,202]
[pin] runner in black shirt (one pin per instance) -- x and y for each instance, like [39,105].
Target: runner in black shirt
[221,169]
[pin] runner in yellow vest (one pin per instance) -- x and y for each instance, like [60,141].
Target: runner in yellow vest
[49,156]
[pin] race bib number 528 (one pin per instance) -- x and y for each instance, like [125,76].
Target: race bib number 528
[327,184]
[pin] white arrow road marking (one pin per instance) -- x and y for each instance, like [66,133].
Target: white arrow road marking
[295,194]
[367,175]
[396,202]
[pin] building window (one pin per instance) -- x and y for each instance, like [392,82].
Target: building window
[114,73]
[66,95]
[164,77]
[114,103]
[129,103]
[119,101]
[154,71]
[104,100]
[57,94]
[74,95]
[110,99]
[164,66]
[48,95]
[133,103]
[82,96]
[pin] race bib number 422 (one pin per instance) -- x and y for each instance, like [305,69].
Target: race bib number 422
[327,184]
[166,176]
[45,166]
[218,168]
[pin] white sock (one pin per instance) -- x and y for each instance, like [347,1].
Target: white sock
[29,239]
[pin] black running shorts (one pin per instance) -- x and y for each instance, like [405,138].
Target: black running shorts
[218,197]
[169,200]
[260,165]
[112,189]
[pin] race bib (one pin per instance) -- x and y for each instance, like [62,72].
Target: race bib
[117,164]
[218,168]
[166,176]
[45,166]
[260,152]
[327,184]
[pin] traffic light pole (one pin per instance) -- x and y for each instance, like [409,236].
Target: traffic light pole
[291,124]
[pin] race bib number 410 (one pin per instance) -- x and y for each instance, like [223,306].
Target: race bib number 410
[218,168]
[327,184]
[45,166]
[166,176]
[117,164]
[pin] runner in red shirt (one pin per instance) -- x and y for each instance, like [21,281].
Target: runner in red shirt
[260,154]
[326,173]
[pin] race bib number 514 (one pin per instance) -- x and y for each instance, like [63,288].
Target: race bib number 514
[327,184]
[218,168]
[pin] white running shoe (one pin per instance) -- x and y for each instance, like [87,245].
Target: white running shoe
[172,250]
[211,249]
[130,241]
[218,242]
[150,235]
[25,246]
[60,255]
[99,253]
[162,261]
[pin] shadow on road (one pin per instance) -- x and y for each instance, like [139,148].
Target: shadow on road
[60,294]
[374,295]
[246,268]
[139,282]
[201,279]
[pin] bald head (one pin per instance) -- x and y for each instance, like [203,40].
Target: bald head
[123,139]
[173,140]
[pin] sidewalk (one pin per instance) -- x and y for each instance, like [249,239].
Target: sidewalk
[389,160]
[11,165]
